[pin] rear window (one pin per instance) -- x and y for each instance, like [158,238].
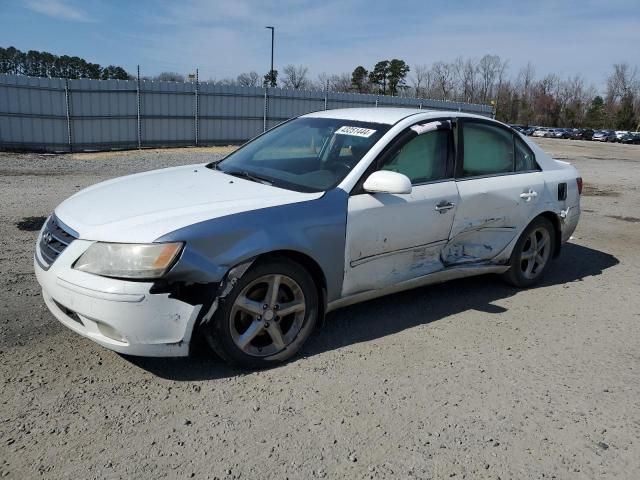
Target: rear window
[492,150]
[487,150]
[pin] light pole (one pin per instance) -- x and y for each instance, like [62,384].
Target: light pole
[271,77]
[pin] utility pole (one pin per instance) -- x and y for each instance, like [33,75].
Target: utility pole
[271,76]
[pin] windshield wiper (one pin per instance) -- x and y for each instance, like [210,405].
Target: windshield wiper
[249,176]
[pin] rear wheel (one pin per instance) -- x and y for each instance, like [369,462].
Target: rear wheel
[267,316]
[532,254]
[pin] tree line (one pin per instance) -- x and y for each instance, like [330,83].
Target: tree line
[44,64]
[518,97]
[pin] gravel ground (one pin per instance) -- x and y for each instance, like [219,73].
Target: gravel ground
[470,379]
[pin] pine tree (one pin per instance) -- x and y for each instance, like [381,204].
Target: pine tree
[359,78]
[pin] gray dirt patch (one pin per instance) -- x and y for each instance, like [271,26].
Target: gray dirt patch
[593,191]
[625,219]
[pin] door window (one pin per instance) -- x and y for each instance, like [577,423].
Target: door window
[491,150]
[488,150]
[423,158]
[525,160]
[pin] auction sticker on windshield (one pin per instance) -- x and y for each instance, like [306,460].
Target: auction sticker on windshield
[355,131]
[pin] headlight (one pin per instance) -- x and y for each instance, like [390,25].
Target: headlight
[128,260]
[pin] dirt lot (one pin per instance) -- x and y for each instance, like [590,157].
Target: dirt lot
[471,379]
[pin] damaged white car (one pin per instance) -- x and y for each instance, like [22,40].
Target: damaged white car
[325,210]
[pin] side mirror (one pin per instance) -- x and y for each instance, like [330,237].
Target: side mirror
[384,181]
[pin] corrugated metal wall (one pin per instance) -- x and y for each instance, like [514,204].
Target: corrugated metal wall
[52,114]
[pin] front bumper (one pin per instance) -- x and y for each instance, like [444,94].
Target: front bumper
[119,315]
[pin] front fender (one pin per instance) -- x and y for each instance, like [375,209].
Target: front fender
[316,228]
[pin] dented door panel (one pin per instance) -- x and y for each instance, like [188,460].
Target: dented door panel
[492,212]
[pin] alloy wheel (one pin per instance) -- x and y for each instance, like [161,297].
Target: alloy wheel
[535,253]
[267,315]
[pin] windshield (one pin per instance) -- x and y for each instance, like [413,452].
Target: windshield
[305,154]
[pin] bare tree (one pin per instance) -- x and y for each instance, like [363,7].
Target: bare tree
[622,81]
[502,72]
[549,85]
[340,83]
[545,100]
[169,77]
[334,83]
[491,69]
[224,81]
[249,79]
[421,80]
[526,77]
[442,80]
[573,101]
[295,77]
[323,81]
[466,73]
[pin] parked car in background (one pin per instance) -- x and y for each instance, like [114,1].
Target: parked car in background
[620,134]
[528,131]
[541,132]
[581,134]
[323,211]
[604,136]
[629,137]
[560,133]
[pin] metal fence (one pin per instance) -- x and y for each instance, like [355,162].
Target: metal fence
[58,115]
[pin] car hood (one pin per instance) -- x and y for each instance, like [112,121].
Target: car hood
[146,206]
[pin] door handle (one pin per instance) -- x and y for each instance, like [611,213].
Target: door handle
[444,206]
[529,195]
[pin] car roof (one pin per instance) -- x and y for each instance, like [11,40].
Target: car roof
[388,115]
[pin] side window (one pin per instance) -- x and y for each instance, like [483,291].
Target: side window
[525,160]
[487,150]
[423,158]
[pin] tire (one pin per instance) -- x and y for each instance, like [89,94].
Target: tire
[530,260]
[248,328]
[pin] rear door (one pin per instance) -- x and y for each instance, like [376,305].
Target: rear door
[500,187]
[392,238]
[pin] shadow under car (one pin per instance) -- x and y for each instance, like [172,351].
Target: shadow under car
[392,314]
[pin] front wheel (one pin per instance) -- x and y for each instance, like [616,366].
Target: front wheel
[532,254]
[267,316]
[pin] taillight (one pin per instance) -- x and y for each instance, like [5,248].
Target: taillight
[579,182]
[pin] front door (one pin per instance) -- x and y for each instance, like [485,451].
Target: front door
[392,238]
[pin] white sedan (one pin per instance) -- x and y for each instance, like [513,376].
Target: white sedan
[325,210]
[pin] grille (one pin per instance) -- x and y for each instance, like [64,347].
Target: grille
[54,240]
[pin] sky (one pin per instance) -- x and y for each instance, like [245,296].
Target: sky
[226,37]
